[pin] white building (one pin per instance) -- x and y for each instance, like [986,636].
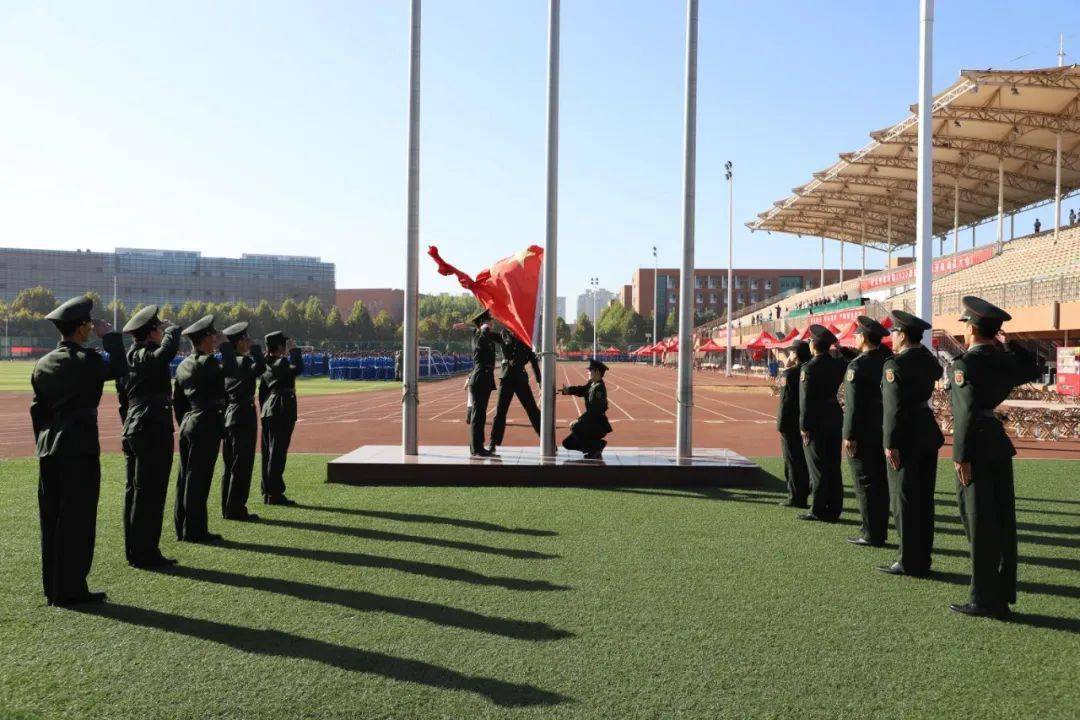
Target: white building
[585,303]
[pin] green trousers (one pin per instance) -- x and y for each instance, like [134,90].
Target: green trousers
[988,511]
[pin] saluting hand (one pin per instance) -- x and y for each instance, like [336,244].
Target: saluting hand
[963,473]
[892,456]
[851,447]
[101,328]
[805,437]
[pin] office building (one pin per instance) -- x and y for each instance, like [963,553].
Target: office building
[585,303]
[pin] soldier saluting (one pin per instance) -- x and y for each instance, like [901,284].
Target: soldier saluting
[199,400]
[277,399]
[982,454]
[241,424]
[67,386]
[515,381]
[820,423]
[911,437]
[862,431]
[147,435]
[787,424]
[481,380]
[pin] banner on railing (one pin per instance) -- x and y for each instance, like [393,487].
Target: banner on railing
[1068,371]
[836,316]
[942,266]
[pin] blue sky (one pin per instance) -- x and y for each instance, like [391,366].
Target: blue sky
[280,127]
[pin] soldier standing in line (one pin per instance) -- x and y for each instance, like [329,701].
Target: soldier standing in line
[862,432]
[820,423]
[241,424]
[588,431]
[481,380]
[982,455]
[147,435]
[199,399]
[911,437]
[515,381]
[277,399]
[787,423]
[67,386]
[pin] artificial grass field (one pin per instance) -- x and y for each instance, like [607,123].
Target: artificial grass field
[539,603]
[15,377]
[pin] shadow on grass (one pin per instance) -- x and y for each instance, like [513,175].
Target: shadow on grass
[282,644]
[1033,527]
[769,491]
[1021,538]
[412,567]
[434,520]
[1050,562]
[371,602]
[1035,588]
[386,535]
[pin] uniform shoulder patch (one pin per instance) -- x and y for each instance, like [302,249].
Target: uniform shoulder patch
[890,375]
[958,377]
[850,375]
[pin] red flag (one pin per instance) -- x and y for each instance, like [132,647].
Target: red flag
[508,288]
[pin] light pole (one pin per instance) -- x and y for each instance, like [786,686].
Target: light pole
[729,175]
[656,298]
[594,283]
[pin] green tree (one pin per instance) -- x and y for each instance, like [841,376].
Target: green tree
[583,331]
[167,313]
[121,313]
[314,319]
[36,301]
[612,324]
[266,318]
[96,299]
[384,326]
[334,326]
[636,328]
[359,324]
[290,318]
[562,331]
[671,324]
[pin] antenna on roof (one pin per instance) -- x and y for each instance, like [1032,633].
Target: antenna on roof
[1061,49]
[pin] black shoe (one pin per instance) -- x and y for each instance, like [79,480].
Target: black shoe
[793,504]
[246,517]
[595,455]
[158,562]
[483,452]
[278,500]
[898,569]
[206,539]
[87,599]
[861,541]
[492,450]
[811,517]
[977,611]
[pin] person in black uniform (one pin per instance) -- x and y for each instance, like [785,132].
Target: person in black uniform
[199,400]
[515,381]
[241,424]
[481,380]
[911,437]
[147,435]
[588,431]
[982,455]
[820,423]
[277,400]
[862,432]
[67,385]
[787,424]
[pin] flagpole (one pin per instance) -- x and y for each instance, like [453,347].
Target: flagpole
[547,377]
[410,369]
[683,439]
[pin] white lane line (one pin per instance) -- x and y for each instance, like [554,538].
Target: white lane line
[617,388]
[577,407]
[698,399]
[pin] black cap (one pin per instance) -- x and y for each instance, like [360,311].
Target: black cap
[147,319]
[822,333]
[275,338]
[595,364]
[236,331]
[802,350]
[481,317]
[200,328]
[870,327]
[903,319]
[77,309]
[982,314]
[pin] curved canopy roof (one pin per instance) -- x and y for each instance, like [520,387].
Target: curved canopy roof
[1014,115]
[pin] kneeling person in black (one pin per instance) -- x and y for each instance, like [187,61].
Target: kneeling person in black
[588,431]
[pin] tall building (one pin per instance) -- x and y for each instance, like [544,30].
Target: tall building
[750,286]
[166,276]
[392,300]
[560,308]
[585,303]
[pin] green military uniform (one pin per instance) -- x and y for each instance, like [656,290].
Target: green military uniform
[147,437]
[862,425]
[515,381]
[199,399]
[277,399]
[980,380]
[481,380]
[821,418]
[908,425]
[588,431]
[241,427]
[67,385]
[787,424]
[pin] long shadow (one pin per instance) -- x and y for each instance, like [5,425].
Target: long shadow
[1034,527]
[1035,588]
[1038,560]
[1019,510]
[412,567]
[1022,538]
[386,535]
[434,520]
[282,644]
[371,602]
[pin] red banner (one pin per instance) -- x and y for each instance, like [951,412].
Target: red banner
[942,266]
[836,317]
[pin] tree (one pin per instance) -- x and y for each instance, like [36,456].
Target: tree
[583,331]
[121,313]
[292,322]
[265,317]
[613,324]
[384,326]
[359,324]
[636,328]
[314,319]
[671,324]
[96,299]
[36,301]
[700,318]
[334,326]
[167,313]
[562,331]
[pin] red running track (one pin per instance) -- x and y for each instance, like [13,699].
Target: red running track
[736,413]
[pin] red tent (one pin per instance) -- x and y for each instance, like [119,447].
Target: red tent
[711,345]
[761,342]
[613,349]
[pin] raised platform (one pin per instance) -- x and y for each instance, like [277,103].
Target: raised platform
[524,466]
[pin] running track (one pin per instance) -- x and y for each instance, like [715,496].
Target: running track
[736,413]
